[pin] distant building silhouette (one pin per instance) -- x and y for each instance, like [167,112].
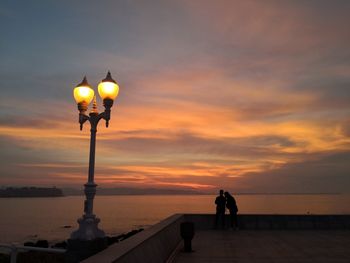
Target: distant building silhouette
[31,192]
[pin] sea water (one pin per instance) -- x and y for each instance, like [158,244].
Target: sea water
[25,219]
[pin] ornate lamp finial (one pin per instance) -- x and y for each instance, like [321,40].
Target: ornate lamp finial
[94,106]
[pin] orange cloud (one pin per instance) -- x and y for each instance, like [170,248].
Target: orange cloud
[206,100]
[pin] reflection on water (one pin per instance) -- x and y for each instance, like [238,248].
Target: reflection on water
[32,218]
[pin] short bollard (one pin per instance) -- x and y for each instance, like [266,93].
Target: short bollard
[187,233]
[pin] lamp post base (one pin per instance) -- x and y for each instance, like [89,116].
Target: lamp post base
[79,250]
[88,229]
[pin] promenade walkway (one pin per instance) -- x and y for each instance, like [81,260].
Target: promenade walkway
[263,246]
[261,239]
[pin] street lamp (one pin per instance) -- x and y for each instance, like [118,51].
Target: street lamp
[83,95]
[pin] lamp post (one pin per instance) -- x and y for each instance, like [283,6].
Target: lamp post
[108,90]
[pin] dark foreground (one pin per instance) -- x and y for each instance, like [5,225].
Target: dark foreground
[261,239]
[67,256]
[316,246]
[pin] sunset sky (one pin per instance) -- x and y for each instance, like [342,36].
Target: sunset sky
[249,96]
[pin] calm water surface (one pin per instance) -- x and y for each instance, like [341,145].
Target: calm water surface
[25,219]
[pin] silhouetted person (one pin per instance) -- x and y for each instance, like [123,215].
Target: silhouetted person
[232,207]
[220,202]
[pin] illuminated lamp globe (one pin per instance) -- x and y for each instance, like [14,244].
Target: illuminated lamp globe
[83,93]
[108,88]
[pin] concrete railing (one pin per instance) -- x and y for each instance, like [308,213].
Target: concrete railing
[157,243]
[151,245]
[15,249]
[278,222]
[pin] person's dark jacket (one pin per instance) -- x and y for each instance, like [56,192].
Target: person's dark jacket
[231,204]
[220,202]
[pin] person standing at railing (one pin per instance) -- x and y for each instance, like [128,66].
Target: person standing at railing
[220,202]
[232,207]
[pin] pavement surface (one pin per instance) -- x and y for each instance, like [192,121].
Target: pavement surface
[316,246]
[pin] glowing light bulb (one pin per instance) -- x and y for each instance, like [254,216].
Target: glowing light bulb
[83,93]
[108,88]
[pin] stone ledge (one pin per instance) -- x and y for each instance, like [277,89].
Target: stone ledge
[151,245]
[276,222]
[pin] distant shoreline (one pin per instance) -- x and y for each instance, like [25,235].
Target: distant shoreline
[163,191]
[288,193]
[34,192]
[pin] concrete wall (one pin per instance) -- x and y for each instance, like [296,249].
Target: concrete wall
[278,222]
[151,245]
[158,242]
